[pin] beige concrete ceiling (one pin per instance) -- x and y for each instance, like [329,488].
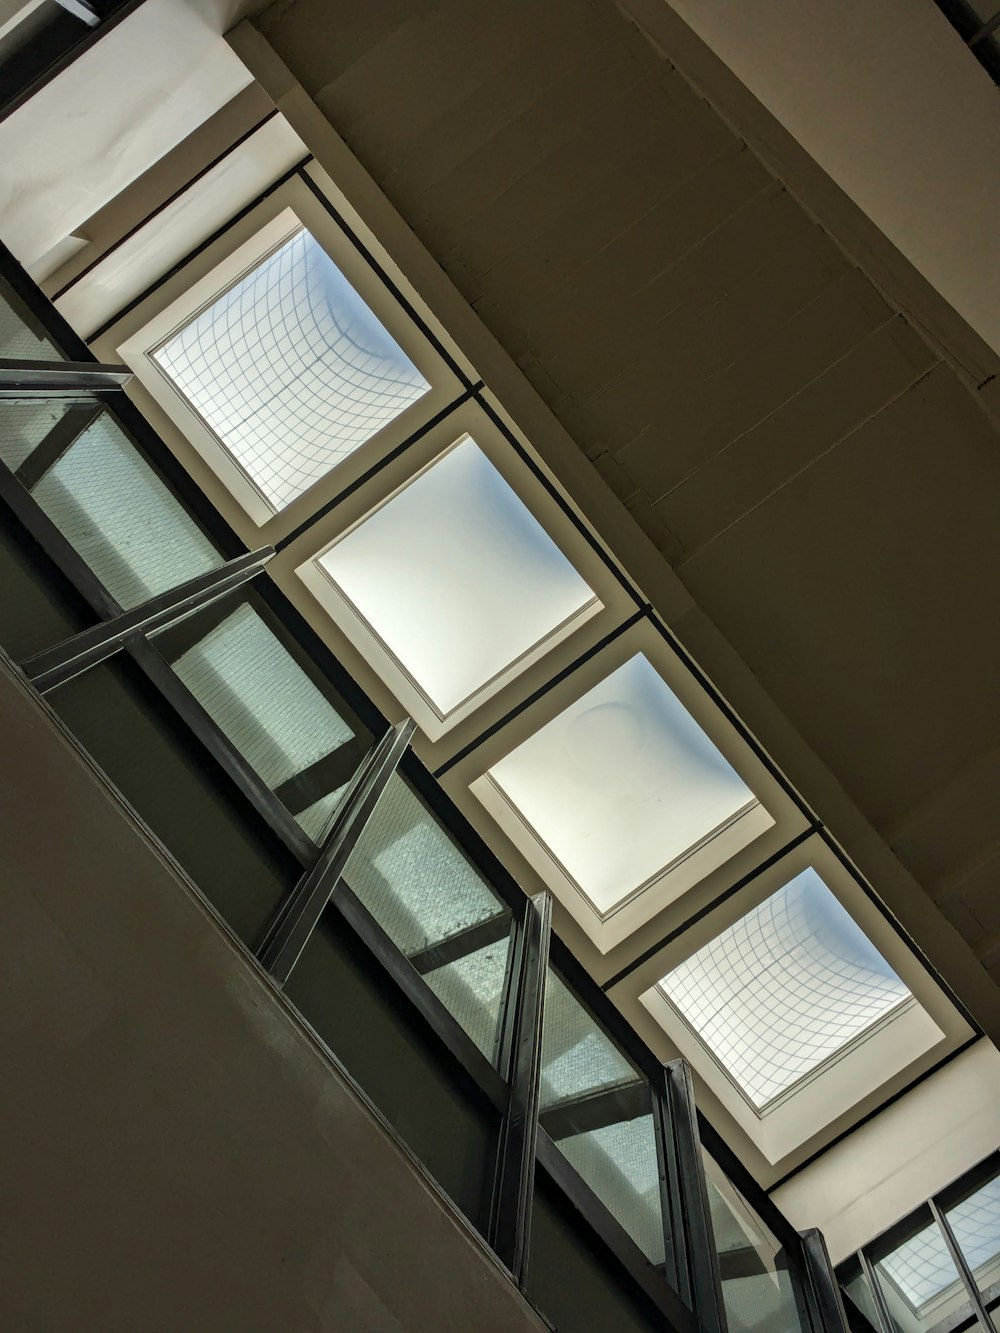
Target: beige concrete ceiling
[819,474]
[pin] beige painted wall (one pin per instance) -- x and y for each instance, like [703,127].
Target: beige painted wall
[888,101]
[908,1152]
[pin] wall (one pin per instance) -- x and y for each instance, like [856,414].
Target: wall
[182,1156]
[908,1152]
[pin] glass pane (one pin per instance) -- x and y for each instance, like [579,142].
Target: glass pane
[272,711]
[976,1224]
[457,578]
[919,1282]
[758,1289]
[859,1293]
[597,1108]
[290,370]
[24,424]
[121,518]
[784,989]
[622,785]
[21,337]
[435,906]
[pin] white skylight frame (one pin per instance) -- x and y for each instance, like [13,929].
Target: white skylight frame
[910,1039]
[369,656]
[242,249]
[729,851]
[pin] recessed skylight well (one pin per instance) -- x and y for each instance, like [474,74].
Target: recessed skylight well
[797,1003]
[785,989]
[622,785]
[622,799]
[290,370]
[283,363]
[455,584]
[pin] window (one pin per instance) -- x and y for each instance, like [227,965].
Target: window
[280,365]
[290,370]
[624,788]
[457,579]
[453,572]
[784,989]
[797,1004]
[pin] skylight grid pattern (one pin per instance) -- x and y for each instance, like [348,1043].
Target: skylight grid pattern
[290,370]
[784,989]
[920,1269]
[976,1224]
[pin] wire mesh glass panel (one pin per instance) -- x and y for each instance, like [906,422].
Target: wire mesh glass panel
[21,336]
[121,518]
[597,1108]
[919,1283]
[758,1289]
[290,370]
[436,908]
[259,696]
[975,1221]
[24,424]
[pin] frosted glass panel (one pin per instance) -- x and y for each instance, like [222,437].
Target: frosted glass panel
[20,338]
[23,425]
[290,370]
[471,988]
[258,695]
[423,891]
[621,784]
[413,878]
[597,1108]
[456,577]
[124,522]
[784,988]
[577,1056]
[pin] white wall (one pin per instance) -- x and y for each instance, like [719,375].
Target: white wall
[147,84]
[908,1152]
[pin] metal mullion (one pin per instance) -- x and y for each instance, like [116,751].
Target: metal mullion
[463,943]
[964,1272]
[613,1235]
[298,918]
[55,443]
[64,661]
[207,731]
[671,1213]
[510,1213]
[58,548]
[415,988]
[877,1295]
[822,1284]
[58,378]
[700,1255]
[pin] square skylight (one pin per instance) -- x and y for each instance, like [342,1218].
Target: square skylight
[456,580]
[622,785]
[785,989]
[290,370]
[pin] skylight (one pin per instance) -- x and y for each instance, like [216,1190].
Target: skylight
[621,785]
[457,580]
[290,370]
[784,989]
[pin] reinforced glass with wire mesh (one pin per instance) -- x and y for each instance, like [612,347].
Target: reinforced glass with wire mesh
[597,1108]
